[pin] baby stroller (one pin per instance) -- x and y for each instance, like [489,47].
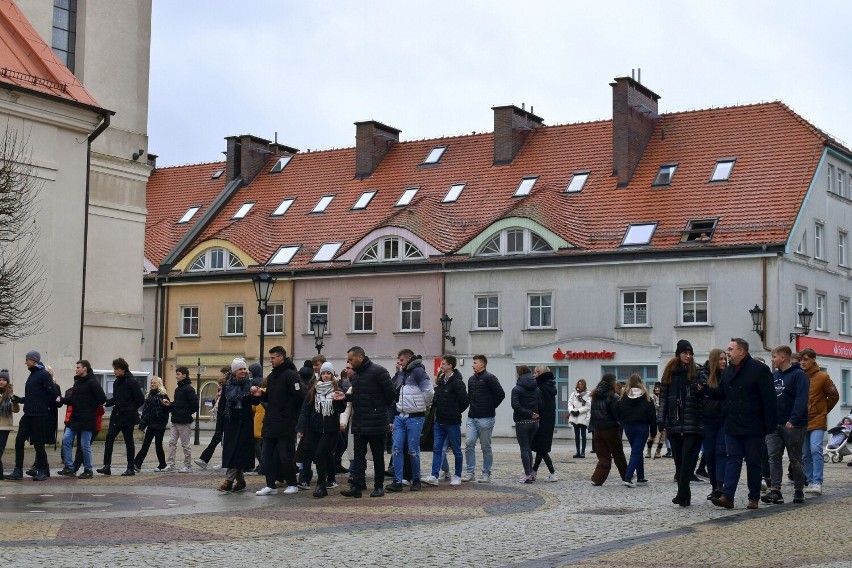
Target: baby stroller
[838,443]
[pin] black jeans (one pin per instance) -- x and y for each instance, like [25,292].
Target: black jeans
[342,444]
[304,456]
[155,435]
[279,459]
[129,445]
[4,436]
[580,438]
[323,446]
[32,428]
[376,442]
[525,432]
[211,447]
[685,448]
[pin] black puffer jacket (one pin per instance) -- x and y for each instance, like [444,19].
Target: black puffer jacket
[312,421]
[680,410]
[84,398]
[284,397]
[185,403]
[525,398]
[711,409]
[126,399]
[604,400]
[636,408]
[485,395]
[450,399]
[40,392]
[154,414]
[543,440]
[372,396]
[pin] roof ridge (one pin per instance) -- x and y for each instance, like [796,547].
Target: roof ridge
[191,165]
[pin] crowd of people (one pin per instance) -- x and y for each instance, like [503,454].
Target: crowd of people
[729,410]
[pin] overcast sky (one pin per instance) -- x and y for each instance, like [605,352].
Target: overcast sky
[309,69]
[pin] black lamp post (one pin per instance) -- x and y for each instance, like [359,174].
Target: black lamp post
[804,322]
[446,322]
[263,284]
[757,320]
[319,325]
[200,369]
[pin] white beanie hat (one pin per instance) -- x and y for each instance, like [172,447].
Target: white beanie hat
[327,367]
[238,364]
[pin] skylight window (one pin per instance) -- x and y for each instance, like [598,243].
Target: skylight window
[665,175]
[284,255]
[326,252]
[243,210]
[217,174]
[280,164]
[190,213]
[525,186]
[722,171]
[699,230]
[283,207]
[435,155]
[323,203]
[639,234]
[577,182]
[453,193]
[364,200]
[407,196]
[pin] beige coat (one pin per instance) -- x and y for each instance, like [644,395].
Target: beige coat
[823,397]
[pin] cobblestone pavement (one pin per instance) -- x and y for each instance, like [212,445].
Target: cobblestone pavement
[166,519]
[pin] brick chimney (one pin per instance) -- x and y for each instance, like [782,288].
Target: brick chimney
[511,127]
[245,156]
[372,141]
[634,115]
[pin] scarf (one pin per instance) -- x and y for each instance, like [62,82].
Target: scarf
[322,400]
[6,406]
[235,390]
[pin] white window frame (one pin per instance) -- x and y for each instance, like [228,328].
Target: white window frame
[364,200]
[682,303]
[578,181]
[503,239]
[843,312]
[801,303]
[454,193]
[841,181]
[326,252]
[722,170]
[238,317]
[283,206]
[281,164]
[802,247]
[284,255]
[820,314]
[819,232]
[316,308]
[541,309]
[526,186]
[378,248]
[407,195]
[322,204]
[364,307]
[272,316]
[639,234]
[843,248]
[623,303]
[411,310]
[243,210]
[190,213]
[230,261]
[831,179]
[665,175]
[488,309]
[435,154]
[184,317]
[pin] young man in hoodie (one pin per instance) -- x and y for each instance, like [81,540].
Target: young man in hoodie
[449,401]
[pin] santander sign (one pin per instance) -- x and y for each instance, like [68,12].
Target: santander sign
[560,355]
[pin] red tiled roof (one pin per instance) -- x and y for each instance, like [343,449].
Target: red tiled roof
[27,61]
[776,156]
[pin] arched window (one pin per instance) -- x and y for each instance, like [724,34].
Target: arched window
[215,259]
[514,241]
[391,249]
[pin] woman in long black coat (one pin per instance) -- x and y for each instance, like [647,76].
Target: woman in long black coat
[543,440]
[235,408]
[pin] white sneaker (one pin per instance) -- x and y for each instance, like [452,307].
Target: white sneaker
[814,488]
[628,483]
[201,463]
[444,475]
[331,485]
[468,477]
[552,477]
[431,480]
[406,482]
[291,489]
[185,469]
[455,480]
[485,478]
[169,467]
[266,491]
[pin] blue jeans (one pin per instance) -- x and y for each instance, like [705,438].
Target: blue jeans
[739,448]
[812,456]
[446,433]
[637,435]
[715,452]
[406,428]
[479,428]
[85,446]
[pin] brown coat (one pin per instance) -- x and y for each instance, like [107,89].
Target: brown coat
[823,396]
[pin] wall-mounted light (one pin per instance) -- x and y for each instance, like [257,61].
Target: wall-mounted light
[139,154]
[319,326]
[804,322]
[757,320]
[446,322]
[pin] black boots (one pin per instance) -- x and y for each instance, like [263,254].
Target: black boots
[16,475]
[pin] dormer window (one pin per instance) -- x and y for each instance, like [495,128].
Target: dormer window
[453,194]
[281,164]
[190,213]
[326,252]
[283,207]
[364,200]
[435,155]
[639,234]
[698,230]
[722,171]
[407,196]
[577,182]
[391,249]
[665,175]
[217,174]
[243,210]
[525,186]
[323,203]
[514,241]
[216,259]
[284,255]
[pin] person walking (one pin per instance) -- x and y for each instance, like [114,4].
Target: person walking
[713,422]
[660,438]
[605,428]
[7,409]
[485,395]
[543,440]
[636,411]
[525,403]
[154,421]
[579,411]
[235,404]
[449,402]
[84,399]
[126,399]
[680,416]
[184,405]
[216,439]
[822,397]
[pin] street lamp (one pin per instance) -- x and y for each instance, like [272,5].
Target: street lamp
[263,284]
[319,325]
[757,320]
[446,322]
[804,322]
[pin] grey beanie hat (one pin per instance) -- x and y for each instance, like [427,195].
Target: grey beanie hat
[238,364]
[34,356]
[4,374]
[327,367]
